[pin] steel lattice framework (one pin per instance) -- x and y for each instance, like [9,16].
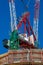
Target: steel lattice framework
[36,17]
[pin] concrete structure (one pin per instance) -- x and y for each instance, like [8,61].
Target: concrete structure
[24,55]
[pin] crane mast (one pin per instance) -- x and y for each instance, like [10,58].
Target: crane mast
[36,18]
[14,42]
[13,15]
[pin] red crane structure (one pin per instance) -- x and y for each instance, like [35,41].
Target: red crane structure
[24,20]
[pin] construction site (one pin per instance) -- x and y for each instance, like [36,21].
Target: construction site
[23,48]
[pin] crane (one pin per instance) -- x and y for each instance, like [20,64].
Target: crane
[27,29]
[14,42]
[36,20]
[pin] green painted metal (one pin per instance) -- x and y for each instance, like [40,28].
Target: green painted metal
[14,41]
[36,44]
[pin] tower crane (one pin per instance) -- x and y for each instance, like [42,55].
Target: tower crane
[15,40]
[36,20]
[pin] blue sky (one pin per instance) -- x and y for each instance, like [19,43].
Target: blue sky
[5,20]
